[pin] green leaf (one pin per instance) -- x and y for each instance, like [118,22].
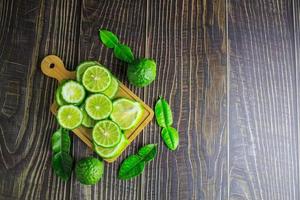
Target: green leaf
[170,137]
[62,165]
[131,167]
[61,141]
[124,53]
[109,39]
[148,152]
[163,113]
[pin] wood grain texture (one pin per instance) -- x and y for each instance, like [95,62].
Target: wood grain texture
[21,100]
[30,30]
[258,156]
[296,14]
[188,40]
[263,122]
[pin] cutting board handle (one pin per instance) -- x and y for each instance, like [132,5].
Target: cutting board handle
[54,67]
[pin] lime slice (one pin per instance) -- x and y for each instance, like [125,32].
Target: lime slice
[87,121]
[111,152]
[73,92]
[112,89]
[126,113]
[96,79]
[106,133]
[98,106]
[58,98]
[80,69]
[69,117]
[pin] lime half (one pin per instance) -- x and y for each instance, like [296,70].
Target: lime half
[106,133]
[87,121]
[96,79]
[69,117]
[112,89]
[80,69]
[98,106]
[126,113]
[73,92]
[111,152]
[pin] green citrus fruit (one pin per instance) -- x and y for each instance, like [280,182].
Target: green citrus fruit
[96,79]
[89,170]
[126,113]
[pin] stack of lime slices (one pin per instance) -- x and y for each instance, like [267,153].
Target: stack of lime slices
[90,101]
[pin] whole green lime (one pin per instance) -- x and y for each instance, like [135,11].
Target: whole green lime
[89,170]
[141,72]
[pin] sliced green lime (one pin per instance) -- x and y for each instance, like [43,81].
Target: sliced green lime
[96,79]
[73,92]
[106,133]
[87,121]
[112,89]
[69,117]
[126,113]
[58,98]
[98,106]
[111,152]
[80,69]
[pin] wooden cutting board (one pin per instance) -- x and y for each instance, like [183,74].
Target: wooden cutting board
[53,67]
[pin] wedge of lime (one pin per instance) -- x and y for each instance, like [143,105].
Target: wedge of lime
[69,117]
[126,113]
[106,133]
[96,79]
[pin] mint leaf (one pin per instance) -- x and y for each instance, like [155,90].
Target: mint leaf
[61,141]
[62,165]
[124,53]
[148,152]
[131,167]
[170,137]
[163,113]
[109,39]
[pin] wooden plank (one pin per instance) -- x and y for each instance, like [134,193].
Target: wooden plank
[127,20]
[296,19]
[31,29]
[19,102]
[296,13]
[188,41]
[263,123]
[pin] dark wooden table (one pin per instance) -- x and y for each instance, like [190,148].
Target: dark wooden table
[230,70]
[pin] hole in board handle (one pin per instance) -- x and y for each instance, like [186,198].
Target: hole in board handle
[52,65]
